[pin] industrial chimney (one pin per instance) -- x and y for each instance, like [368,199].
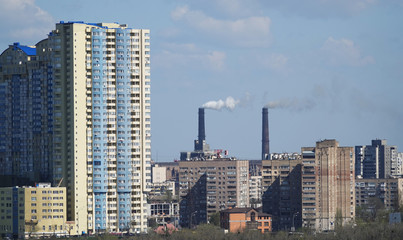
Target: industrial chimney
[202,132]
[265,134]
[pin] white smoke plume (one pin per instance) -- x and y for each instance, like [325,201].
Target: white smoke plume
[230,103]
[292,104]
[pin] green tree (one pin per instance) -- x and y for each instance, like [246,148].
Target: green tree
[215,219]
[339,219]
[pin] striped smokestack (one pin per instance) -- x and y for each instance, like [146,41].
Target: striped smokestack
[265,134]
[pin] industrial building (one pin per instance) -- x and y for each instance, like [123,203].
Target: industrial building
[201,150]
[328,185]
[81,99]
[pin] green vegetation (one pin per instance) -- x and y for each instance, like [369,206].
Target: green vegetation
[215,219]
[364,230]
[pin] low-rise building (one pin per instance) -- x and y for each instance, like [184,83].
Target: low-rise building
[33,211]
[164,212]
[237,220]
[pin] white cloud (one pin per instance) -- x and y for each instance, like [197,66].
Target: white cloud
[344,52]
[178,56]
[248,32]
[22,20]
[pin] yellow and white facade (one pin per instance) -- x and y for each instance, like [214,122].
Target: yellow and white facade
[102,133]
[96,116]
[33,211]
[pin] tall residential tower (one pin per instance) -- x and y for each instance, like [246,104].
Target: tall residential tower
[25,117]
[102,123]
[328,185]
[97,82]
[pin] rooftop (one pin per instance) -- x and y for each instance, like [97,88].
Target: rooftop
[31,51]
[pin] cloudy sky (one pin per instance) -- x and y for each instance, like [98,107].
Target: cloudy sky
[327,69]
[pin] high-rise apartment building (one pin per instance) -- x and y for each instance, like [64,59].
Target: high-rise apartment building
[377,160]
[25,116]
[102,123]
[282,190]
[399,169]
[255,191]
[328,185]
[95,83]
[207,187]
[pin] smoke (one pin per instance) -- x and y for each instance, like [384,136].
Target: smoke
[230,103]
[294,104]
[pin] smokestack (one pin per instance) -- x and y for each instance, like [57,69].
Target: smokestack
[265,134]
[202,131]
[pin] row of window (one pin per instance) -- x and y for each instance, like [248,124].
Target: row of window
[47,210]
[47,198]
[34,217]
[47,204]
[48,192]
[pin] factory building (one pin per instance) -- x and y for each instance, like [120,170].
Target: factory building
[201,150]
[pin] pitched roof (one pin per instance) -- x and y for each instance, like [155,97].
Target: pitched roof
[31,51]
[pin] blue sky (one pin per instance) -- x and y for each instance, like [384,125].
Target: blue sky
[329,69]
